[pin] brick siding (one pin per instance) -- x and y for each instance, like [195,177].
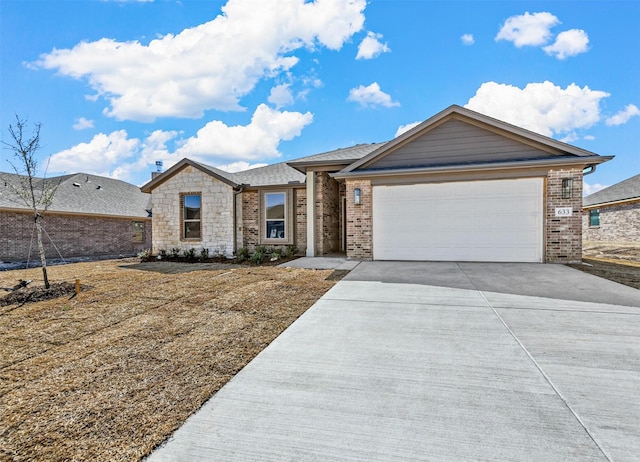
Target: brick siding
[327,214]
[618,223]
[563,235]
[359,221]
[72,235]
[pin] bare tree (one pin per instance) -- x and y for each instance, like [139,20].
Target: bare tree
[33,192]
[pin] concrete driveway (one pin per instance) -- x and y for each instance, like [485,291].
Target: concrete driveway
[438,361]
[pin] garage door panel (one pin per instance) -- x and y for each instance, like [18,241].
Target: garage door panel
[466,221]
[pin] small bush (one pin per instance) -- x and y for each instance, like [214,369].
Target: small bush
[174,252]
[189,254]
[258,256]
[144,255]
[242,254]
[204,253]
[290,251]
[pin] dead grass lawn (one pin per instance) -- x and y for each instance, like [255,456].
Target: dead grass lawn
[109,374]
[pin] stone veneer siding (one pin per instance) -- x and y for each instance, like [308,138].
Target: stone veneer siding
[327,214]
[563,235]
[216,213]
[618,223]
[72,235]
[359,221]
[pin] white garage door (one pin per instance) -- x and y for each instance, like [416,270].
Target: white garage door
[463,221]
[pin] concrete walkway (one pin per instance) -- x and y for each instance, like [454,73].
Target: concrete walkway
[322,263]
[382,370]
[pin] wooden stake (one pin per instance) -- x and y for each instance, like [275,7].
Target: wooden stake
[77,286]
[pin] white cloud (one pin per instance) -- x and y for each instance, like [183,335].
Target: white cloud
[622,117]
[589,137]
[96,156]
[258,140]
[82,124]
[371,96]
[528,29]
[592,188]
[405,128]
[371,47]
[281,96]
[239,166]
[118,156]
[569,43]
[210,66]
[467,39]
[541,107]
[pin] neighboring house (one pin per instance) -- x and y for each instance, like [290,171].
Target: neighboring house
[89,216]
[612,215]
[460,186]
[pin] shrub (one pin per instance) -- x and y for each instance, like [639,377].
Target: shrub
[174,253]
[204,253]
[242,254]
[189,254]
[258,255]
[144,255]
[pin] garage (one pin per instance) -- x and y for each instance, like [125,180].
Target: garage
[495,220]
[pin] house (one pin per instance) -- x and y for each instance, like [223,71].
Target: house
[90,216]
[612,215]
[461,186]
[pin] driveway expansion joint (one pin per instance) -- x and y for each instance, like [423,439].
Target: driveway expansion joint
[546,377]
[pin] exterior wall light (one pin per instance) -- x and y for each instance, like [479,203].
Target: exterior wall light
[567,188]
[357,193]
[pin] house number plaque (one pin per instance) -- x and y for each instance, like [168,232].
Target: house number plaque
[564,211]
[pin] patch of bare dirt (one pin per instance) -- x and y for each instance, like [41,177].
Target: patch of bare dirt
[110,373]
[39,293]
[617,251]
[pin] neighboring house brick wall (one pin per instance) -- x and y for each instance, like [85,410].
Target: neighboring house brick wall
[327,214]
[71,235]
[359,221]
[216,212]
[563,235]
[618,223]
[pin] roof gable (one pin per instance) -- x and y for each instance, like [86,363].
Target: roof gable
[625,190]
[223,176]
[459,136]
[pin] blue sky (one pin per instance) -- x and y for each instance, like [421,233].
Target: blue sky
[118,85]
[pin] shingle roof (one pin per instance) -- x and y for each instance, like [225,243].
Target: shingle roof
[343,154]
[627,189]
[85,194]
[276,174]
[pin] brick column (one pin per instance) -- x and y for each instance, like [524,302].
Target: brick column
[359,220]
[563,235]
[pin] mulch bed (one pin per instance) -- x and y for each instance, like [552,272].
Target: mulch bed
[38,294]
[109,374]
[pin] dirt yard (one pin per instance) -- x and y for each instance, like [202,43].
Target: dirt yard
[110,373]
[619,262]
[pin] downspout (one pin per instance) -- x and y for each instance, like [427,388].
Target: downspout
[236,192]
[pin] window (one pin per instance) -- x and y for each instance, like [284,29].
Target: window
[191,216]
[137,230]
[594,217]
[275,215]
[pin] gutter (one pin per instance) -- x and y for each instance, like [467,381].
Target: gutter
[236,192]
[470,167]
